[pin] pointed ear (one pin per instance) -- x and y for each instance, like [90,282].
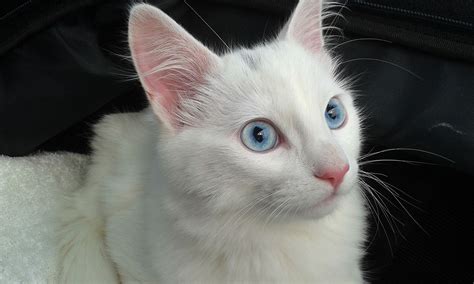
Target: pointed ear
[170,63]
[305,25]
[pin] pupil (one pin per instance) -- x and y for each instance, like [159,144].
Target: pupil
[332,112]
[258,134]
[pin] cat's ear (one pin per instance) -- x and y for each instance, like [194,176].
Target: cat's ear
[170,62]
[305,25]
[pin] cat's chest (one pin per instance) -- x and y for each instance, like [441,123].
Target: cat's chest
[309,260]
[319,254]
[328,252]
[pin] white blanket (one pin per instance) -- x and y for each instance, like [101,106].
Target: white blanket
[30,189]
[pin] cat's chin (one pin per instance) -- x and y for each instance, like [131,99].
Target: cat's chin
[321,208]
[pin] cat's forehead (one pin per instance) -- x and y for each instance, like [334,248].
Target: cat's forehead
[281,71]
[281,82]
[282,60]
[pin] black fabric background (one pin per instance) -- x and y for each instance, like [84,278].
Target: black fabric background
[59,73]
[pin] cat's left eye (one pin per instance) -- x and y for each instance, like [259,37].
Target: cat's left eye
[335,114]
[259,136]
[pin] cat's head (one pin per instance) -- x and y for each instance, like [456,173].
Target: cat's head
[268,130]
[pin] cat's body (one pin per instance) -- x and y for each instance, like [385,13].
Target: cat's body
[180,199]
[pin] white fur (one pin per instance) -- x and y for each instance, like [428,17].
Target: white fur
[194,205]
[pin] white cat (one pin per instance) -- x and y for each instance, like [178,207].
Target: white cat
[244,169]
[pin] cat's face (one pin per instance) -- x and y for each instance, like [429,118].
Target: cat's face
[268,132]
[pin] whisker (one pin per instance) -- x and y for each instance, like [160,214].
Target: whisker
[414,220]
[384,61]
[395,160]
[389,201]
[202,19]
[394,219]
[270,217]
[391,188]
[369,204]
[377,215]
[402,199]
[360,39]
[375,174]
[383,206]
[283,209]
[235,219]
[405,149]
[331,5]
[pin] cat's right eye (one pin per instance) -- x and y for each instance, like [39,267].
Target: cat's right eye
[259,136]
[335,114]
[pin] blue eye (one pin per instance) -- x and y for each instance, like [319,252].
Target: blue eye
[259,136]
[335,114]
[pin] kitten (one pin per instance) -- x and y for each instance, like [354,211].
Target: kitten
[244,168]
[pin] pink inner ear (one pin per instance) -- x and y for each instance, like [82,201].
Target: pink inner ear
[165,88]
[305,25]
[163,98]
[171,64]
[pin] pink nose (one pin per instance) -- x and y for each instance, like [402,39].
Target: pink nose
[333,176]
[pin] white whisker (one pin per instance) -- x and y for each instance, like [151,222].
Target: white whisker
[404,149]
[384,61]
[394,160]
[391,188]
[360,39]
[202,19]
[364,186]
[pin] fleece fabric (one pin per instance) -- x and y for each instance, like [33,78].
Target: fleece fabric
[30,191]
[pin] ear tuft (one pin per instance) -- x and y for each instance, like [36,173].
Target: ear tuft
[170,63]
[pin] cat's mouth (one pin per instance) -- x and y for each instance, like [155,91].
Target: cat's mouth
[328,203]
[320,208]
[331,198]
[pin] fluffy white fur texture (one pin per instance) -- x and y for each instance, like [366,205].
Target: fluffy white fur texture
[173,196]
[29,191]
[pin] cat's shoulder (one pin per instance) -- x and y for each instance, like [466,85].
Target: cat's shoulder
[120,130]
[123,149]
[122,146]
[124,124]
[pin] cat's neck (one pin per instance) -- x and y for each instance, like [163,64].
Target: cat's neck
[257,247]
[251,231]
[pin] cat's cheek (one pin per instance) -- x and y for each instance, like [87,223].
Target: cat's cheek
[350,181]
[348,139]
